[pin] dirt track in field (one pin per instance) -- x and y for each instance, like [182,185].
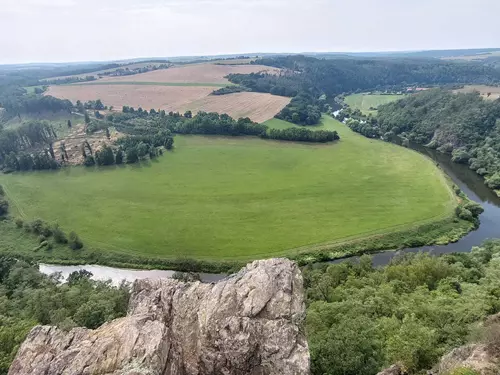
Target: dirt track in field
[259,107]
[193,73]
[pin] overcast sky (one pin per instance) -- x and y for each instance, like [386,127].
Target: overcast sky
[92,30]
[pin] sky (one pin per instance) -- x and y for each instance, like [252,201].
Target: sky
[103,30]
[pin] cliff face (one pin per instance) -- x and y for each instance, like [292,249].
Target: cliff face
[249,323]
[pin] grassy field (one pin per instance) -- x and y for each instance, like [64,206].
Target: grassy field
[276,123]
[31,89]
[216,198]
[364,102]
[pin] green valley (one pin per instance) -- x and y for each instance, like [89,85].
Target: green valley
[233,198]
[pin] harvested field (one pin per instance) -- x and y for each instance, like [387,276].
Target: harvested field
[259,107]
[493,91]
[207,73]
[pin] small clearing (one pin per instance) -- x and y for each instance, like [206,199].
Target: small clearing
[368,103]
[74,140]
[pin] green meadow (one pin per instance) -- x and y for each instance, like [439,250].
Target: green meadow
[367,102]
[239,198]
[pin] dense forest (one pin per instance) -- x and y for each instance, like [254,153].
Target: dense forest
[311,78]
[28,298]
[464,125]
[361,319]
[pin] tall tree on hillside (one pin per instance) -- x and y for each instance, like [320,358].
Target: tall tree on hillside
[64,152]
[87,118]
[69,124]
[108,135]
[86,145]
[51,151]
[98,105]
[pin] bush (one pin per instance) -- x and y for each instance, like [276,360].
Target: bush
[186,276]
[27,227]
[2,191]
[37,226]
[475,208]
[4,207]
[59,235]
[19,222]
[464,214]
[89,161]
[75,243]
[493,181]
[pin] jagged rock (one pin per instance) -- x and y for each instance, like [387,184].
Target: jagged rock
[249,323]
[393,370]
[477,357]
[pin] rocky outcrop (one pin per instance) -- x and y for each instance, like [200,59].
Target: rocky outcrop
[477,357]
[249,323]
[393,370]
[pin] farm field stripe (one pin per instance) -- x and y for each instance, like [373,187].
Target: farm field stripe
[139,83]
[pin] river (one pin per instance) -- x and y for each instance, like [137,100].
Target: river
[470,183]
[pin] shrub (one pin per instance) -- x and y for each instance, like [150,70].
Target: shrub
[2,191]
[59,235]
[186,276]
[36,226]
[89,161]
[75,242]
[493,181]
[4,207]
[465,214]
[27,227]
[475,208]
[19,222]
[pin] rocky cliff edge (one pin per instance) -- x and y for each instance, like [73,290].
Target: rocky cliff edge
[249,323]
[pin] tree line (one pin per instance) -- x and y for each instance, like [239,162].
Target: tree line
[302,135]
[213,124]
